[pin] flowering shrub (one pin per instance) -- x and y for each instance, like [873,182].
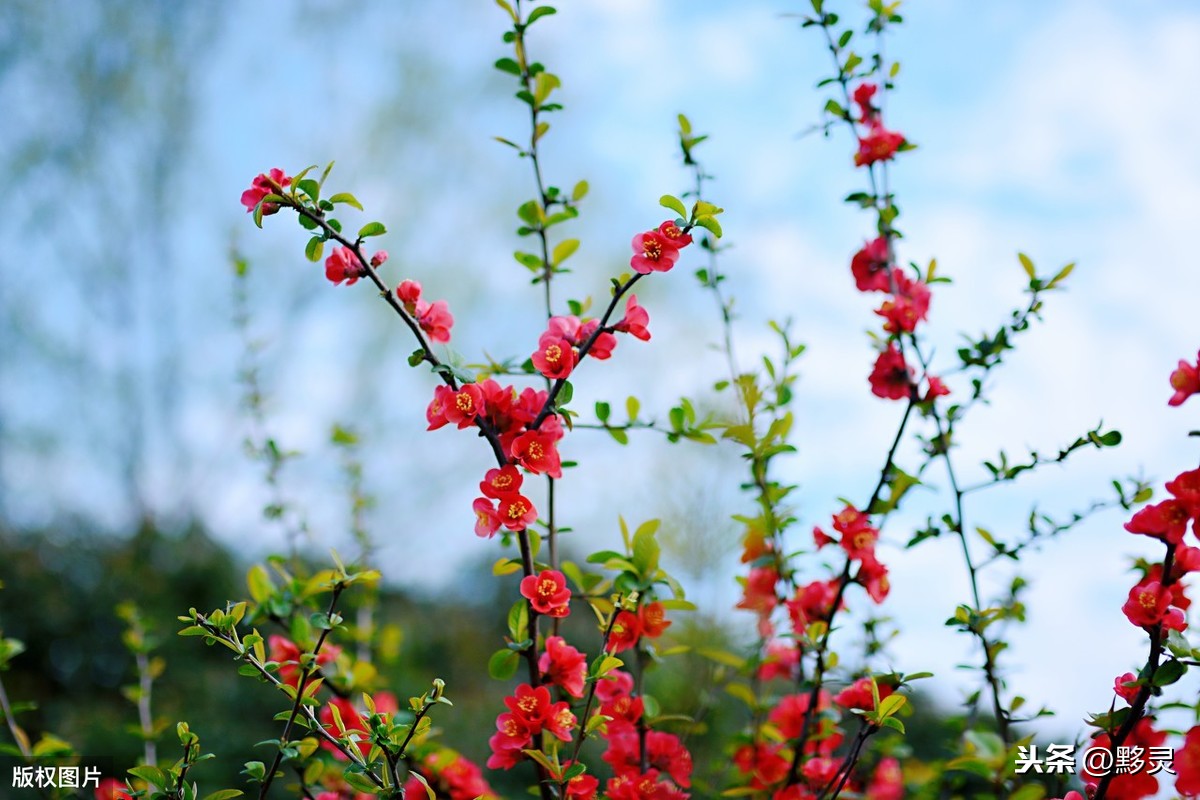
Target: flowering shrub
[579,720]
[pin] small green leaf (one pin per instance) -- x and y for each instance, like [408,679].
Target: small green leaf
[673,203]
[503,664]
[347,198]
[314,249]
[371,229]
[509,66]
[564,250]
[538,13]
[1027,265]
[711,224]
[224,794]
[580,191]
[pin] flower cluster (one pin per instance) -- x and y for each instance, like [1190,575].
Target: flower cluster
[878,143]
[1156,600]
[559,347]
[1157,603]
[668,762]
[530,711]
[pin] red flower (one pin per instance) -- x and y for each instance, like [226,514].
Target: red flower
[763,763]
[870,267]
[873,576]
[888,781]
[500,482]
[581,787]
[435,319]
[858,694]
[674,234]
[635,320]
[547,592]
[936,389]
[1186,488]
[1129,785]
[352,720]
[819,772]
[862,98]
[464,405]
[759,595]
[287,654]
[1185,381]
[1187,764]
[536,452]
[653,252]
[443,397]
[517,512]
[879,144]
[379,259]
[262,186]
[554,358]
[664,752]
[487,519]
[111,788]
[409,292]
[891,378]
[529,707]
[604,344]
[780,661]
[1149,604]
[813,601]
[625,632]
[1166,521]
[653,619]
[789,713]
[342,265]
[512,735]
[564,666]
[1125,691]
[908,306]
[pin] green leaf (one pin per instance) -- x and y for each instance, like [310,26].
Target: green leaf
[538,13]
[1061,276]
[503,664]
[509,66]
[1030,791]
[428,789]
[632,406]
[347,198]
[603,411]
[371,229]
[646,550]
[711,224]
[673,203]
[891,704]
[1169,672]
[310,188]
[565,394]
[224,794]
[505,5]
[580,191]
[150,774]
[1027,265]
[564,250]
[314,249]
[259,583]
